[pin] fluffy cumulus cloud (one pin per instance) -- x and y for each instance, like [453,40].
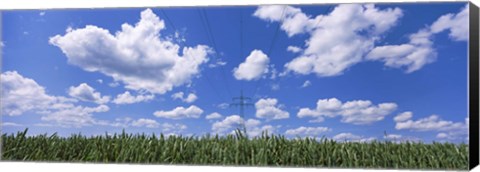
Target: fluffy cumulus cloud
[77,116]
[180,113]
[349,137]
[308,131]
[287,14]
[218,63]
[294,49]
[142,122]
[214,115]
[457,24]
[165,128]
[190,98]
[21,95]
[259,130]
[85,92]
[403,116]
[412,56]
[229,122]
[136,55]
[223,105]
[357,112]
[233,122]
[173,128]
[337,40]
[447,130]
[127,98]
[419,50]
[306,83]
[268,109]
[254,67]
[347,36]
[431,123]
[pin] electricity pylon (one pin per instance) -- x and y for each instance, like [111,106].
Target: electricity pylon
[242,103]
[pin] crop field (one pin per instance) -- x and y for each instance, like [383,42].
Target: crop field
[233,150]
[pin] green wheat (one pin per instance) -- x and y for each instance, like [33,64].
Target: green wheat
[235,150]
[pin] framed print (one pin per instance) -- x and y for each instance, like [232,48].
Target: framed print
[349,85]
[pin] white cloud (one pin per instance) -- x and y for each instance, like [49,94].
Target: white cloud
[275,12]
[100,81]
[121,122]
[397,138]
[142,122]
[348,34]
[403,116]
[223,105]
[85,92]
[42,13]
[254,67]
[318,120]
[180,113]
[431,123]
[11,124]
[442,135]
[392,136]
[453,135]
[214,115]
[413,55]
[20,94]
[233,122]
[188,99]
[218,63]
[448,130]
[349,137]
[457,24]
[77,116]
[127,98]
[173,128]
[294,49]
[419,51]
[257,130]
[135,55]
[274,73]
[165,128]
[268,109]
[337,40]
[294,21]
[113,84]
[306,84]
[23,95]
[357,112]
[308,131]
[275,87]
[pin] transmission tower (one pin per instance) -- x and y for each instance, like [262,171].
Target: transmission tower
[242,103]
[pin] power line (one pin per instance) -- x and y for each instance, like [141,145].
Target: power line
[168,19]
[210,33]
[241,39]
[271,45]
[209,39]
[275,36]
[206,76]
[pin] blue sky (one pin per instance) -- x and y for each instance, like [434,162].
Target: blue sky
[347,72]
